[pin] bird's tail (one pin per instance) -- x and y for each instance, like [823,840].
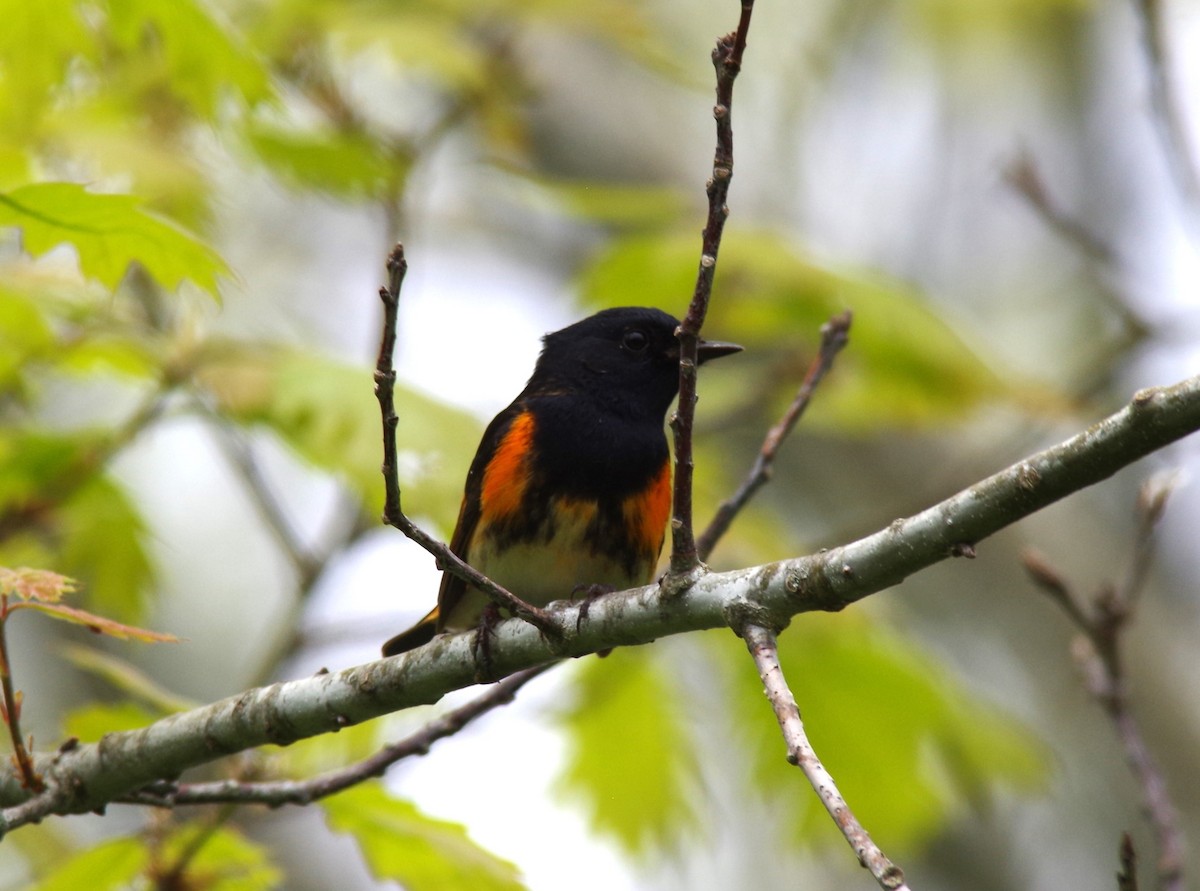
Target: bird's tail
[416,636]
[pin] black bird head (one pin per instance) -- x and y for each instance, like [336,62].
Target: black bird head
[626,359]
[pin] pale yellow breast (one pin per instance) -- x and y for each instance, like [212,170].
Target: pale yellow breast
[547,566]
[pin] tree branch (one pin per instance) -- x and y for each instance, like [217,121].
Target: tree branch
[82,778]
[762,646]
[1127,874]
[1173,128]
[727,59]
[1023,175]
[275,793]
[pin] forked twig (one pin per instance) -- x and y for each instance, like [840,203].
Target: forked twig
[1102,622]
[393,514]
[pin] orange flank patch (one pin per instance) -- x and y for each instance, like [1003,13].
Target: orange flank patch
[507,474]
[647,512]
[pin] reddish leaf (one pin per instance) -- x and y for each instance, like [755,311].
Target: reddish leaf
[35,584]
[99,624]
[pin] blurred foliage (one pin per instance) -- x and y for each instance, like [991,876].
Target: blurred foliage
[58,508]
[344,165]
[401,843]
[326,411]
[222,860]
[965,27]
[114,865]
[127,679]
[117,119]
[225,861]
[637,781]
[321,754]
[907,745]
[908,367]
[90,722]
[146,701]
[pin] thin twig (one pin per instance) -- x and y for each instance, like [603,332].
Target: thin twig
[762,646]
[1151,504]
[727,59]
[834,335]
[1046,577]
[1172,127]
[1098,652]
[301,792]
[11,709]
[1022,174]
[1127,874]
[393,514]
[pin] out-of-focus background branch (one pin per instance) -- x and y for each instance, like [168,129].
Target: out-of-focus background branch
[540,161]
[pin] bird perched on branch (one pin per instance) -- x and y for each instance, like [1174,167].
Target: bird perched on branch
[571,486]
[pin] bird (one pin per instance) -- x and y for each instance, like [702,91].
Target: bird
[570,488]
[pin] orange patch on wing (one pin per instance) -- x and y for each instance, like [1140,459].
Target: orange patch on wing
[507,474]
[647,512]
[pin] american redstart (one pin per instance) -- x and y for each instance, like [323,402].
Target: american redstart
[571,485]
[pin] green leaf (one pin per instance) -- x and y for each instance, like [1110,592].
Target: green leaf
[226,860]
[115,132]
[626,25]
[25,334]
[331,751]
[346,165]
[37,43]
[904,366]
[428,41]
[614,203]
[630,754]
[38,334]
[98,353]
[102,534]
[200,58]
[908,748]
[422,853]
[439,38]
[90,722]
[109,866]
[963,27]
[31,464]
[108,232]
[42,847]
[327,412]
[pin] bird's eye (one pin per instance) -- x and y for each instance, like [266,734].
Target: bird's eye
[635,340]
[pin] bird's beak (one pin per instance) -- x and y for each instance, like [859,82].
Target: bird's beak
[713,349]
